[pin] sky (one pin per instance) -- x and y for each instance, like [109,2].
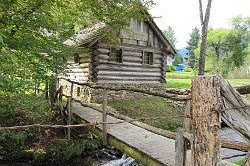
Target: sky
[183,15]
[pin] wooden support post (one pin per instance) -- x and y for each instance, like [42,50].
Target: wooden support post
[187,113]
[180,148]
[187,123]
[104,117]
[206,106]
[70,109]
[60,93]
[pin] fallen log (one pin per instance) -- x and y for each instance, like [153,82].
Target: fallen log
[236,112]
[236,145]
[243,90]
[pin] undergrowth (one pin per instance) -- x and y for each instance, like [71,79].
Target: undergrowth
[37,147]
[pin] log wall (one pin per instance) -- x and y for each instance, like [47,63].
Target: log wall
[81,71]
[131,70]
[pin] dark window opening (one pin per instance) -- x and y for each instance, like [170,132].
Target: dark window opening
[115,55]
[78,91]
[148,58]
[76,59]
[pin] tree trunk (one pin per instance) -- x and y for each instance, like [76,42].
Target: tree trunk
[206,103]
[204,26]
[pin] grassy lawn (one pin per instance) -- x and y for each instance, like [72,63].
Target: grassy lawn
[158,107]
[180,75]
[150,107]
[178,83]
[183,80]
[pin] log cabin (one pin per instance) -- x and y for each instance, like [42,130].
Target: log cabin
[139,58]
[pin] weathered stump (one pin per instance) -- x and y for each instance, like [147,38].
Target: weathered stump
[206,105]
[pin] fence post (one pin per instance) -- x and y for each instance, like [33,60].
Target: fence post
[104,117]
[70,109]
[60,93]
[187,113]
[206,106]
[180,148]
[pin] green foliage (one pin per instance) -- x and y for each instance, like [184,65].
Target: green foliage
[170,35]
[12,145]
[170,68]
[227,47]
[188,69]
[59,152]
[32,34]
[178,83]
[192,45]
[24,109]
[177,59]
[180,75]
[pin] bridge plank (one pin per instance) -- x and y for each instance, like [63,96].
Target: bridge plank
[153,146]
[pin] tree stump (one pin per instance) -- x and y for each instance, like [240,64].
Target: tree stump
[206,106]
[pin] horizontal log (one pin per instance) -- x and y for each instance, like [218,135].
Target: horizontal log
[84,65]
[228,144]
[87,55]
[140,57]
[243,89]
[78,70]
[128,82]
[77,74]
[109,67]
[104,50]
[127,73]
[127,78]
[85,61]
[135,48]
[130,65]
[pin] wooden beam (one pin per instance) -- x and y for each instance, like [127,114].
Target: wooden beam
[104,118]
[206,103]
[180,148]
[236,112]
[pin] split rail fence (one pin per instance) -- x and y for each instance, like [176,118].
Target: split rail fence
[210,100]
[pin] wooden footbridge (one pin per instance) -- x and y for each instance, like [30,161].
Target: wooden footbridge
[143,145]
[153,149]
[212,100]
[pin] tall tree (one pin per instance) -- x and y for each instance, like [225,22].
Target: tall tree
[193,44]
[204,27]
[32,33]
[217,40]
[170,35]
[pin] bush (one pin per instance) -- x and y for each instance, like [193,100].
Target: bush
[59,152]
[170,68]
[188,69]
[13,145]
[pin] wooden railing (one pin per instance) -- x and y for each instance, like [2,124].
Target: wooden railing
[201,100]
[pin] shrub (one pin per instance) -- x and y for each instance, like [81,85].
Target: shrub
[13,145]
[170,68]
[188,69]
[59,152]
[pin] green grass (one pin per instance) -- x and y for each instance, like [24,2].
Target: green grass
[183,80]
[186,83]
[178,83]
[149,107]
[238,162]
[239,82]
[180,75]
